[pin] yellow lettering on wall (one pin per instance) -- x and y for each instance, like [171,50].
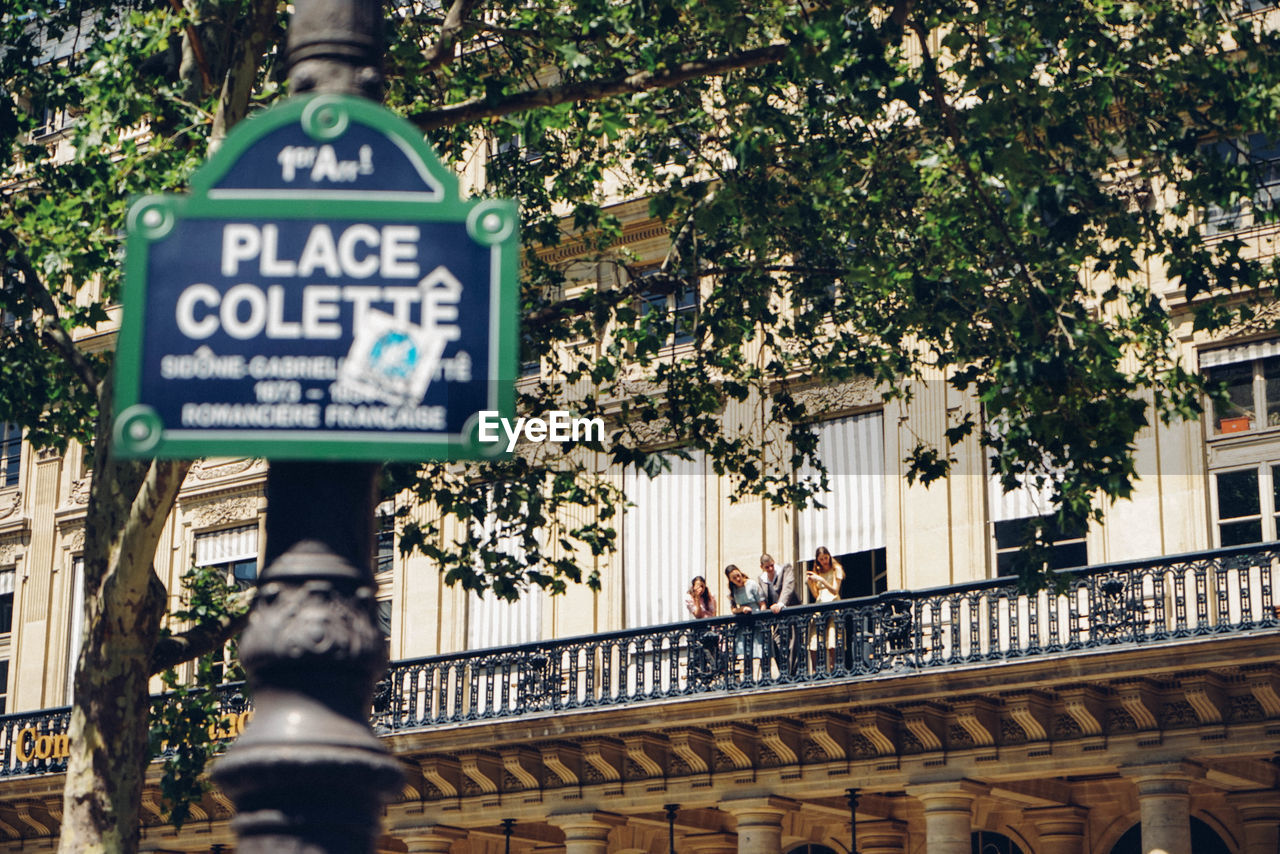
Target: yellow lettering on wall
[24,752]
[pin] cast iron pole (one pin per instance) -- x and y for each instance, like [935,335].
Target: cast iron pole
[308,776]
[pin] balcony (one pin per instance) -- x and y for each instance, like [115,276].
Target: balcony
[1167,602]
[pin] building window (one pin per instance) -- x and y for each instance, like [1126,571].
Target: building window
[7,583]
[10,454]
[990,842]
[1250,375]
[1261,155]
[384,554]
[384,622]
[1246,502]
[671,308]
[234,550]
[850,519]
[513,149]
[234,553]
[1067,548]
[4,686]
[1027,513]
[664,538]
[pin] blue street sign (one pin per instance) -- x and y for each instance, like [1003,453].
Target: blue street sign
[322,293]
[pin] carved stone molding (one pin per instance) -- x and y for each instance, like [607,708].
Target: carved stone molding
[72,535]
[240,507]
[838,399]
[78,495]
[444,774]
[207,470]
[9,549]
[10,504]
[564,761]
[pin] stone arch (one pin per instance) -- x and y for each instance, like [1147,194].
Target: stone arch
[997,842]
[1204,840]
[813,848]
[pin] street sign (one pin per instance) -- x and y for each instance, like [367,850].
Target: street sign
[322,293]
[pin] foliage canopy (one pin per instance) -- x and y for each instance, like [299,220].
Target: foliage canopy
[928,189]
[1001,196]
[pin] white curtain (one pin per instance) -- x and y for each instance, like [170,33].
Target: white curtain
[494,622]
[852,516]
[663,540]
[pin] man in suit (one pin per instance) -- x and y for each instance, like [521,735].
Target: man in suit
[779,589]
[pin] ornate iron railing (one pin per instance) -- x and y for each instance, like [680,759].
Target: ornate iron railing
[37,743]
[1229,591]
[1140,602]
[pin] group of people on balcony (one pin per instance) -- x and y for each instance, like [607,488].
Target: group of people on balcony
[773,591]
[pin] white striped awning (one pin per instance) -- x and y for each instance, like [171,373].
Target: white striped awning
[7,579]
[494,622]
[1021,502]
[226,546]
[852,516]
[664,537]
[1240,353]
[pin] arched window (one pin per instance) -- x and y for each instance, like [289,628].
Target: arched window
[1203,840]
[812,849]
[990,842]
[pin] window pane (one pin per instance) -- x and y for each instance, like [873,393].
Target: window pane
[1238,494]
[1069,555]
[10,454]
[1241,533]
[1271,381]
[1236,414]
[1012,533]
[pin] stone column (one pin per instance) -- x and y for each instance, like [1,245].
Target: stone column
[948,809]
[426,838]
[759,823]
[1164,801]
[1061,829]
[882,837]
[1260,816]
[709,843]
[586,833]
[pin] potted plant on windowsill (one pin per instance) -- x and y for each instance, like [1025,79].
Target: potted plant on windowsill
[1235,424]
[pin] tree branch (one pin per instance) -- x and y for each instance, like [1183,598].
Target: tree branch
[441,53]
[594,90]
[175,649]
[51,330]
[197,49]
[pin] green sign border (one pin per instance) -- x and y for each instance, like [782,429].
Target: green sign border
[493,222]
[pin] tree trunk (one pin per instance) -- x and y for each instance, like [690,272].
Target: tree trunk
[125,601]
[124,604]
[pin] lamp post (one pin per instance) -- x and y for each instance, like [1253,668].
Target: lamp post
[852,795]
[308,776]
[671,826]
[508,827]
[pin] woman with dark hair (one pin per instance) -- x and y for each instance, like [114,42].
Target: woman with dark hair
[698,601]
[824,579]
[745,598]
[744,594]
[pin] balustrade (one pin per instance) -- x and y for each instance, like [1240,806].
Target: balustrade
[1139,603]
